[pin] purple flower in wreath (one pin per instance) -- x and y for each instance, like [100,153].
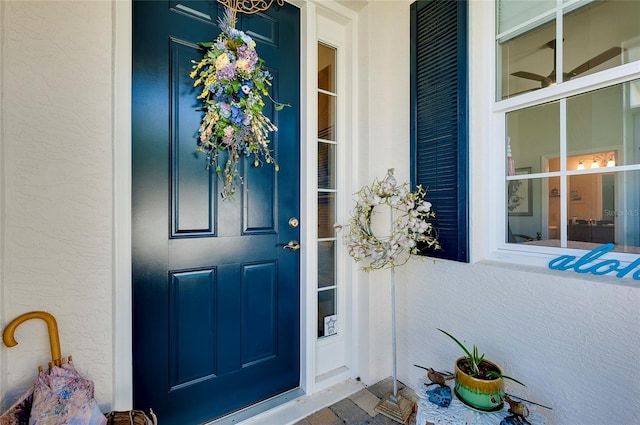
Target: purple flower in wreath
[228,135]
[225,110]
[227,73]
[250,55]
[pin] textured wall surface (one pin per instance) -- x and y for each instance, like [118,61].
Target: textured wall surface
[57,181]
[573,339]
[383,144]
[573,342]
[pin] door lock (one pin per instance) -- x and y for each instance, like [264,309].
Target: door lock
[293,222]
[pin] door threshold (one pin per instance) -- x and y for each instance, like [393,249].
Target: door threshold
[290,407]
[247,413]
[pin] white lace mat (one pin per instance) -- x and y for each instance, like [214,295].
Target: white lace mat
[459,414]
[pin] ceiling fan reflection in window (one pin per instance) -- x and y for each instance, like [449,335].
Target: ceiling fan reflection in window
[550,79]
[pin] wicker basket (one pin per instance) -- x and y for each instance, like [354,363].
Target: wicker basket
[131,417]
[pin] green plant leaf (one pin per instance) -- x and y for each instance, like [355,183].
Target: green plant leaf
[471,359]
[494,374]
[457,342]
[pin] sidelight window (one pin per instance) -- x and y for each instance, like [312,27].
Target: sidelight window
[327,169]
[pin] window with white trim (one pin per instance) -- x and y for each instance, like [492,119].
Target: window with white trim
[568,95]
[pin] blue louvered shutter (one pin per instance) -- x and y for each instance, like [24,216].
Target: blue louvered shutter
[439,123]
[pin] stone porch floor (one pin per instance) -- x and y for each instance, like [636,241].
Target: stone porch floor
[358,409]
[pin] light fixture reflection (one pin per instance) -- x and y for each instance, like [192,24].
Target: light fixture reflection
[599,160]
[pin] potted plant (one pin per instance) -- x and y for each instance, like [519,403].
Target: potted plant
[479,383]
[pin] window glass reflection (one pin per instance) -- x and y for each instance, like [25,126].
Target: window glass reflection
[527,62]
[512,13]
[327,319]
[602,127]
[326,263]
[326,165]
[602,207]
[590,44]
[326,214]
[326,68]
[589,48]
[525,221]
[534,134]
[326,117]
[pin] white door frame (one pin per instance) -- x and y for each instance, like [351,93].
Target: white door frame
[122,397]
[335,355]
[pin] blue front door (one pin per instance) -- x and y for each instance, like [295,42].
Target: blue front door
[215,296]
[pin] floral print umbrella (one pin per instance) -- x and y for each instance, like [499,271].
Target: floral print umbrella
[18,414]
[60,395]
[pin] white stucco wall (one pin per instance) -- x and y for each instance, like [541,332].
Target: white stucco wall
[573,339]
[383,144]
[573,342]
[56,139]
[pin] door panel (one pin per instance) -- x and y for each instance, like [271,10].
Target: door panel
[215,297]
[193,344]
[259,331]
[193,191]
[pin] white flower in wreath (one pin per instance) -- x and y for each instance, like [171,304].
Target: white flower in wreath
[409,226]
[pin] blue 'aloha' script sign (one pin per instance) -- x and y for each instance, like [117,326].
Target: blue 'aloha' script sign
[589,263]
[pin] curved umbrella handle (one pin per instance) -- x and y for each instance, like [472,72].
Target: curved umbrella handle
[54,339]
